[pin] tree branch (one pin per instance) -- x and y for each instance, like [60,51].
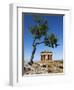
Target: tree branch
[33,42]
[39,43]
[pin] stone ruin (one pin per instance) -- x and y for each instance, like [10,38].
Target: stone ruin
[46,56]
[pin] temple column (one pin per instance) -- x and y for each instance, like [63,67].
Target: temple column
[48,57]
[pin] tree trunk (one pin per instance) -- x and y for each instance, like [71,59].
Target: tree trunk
[33,52]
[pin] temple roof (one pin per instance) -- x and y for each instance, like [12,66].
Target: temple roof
[45,51]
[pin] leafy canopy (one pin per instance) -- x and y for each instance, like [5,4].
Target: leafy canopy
[40,29]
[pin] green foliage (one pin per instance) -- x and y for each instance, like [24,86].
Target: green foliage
[40,29]
[51,40]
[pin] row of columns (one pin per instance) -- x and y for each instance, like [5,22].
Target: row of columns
[46,57]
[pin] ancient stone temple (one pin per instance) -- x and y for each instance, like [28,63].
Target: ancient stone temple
[46,56]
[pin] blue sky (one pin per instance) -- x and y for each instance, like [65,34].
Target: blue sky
[55,23]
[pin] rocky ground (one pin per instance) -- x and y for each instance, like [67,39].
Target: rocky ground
[44,67]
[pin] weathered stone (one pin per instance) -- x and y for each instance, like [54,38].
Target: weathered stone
[43,68]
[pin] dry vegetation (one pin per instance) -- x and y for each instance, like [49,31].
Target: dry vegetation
[44,67]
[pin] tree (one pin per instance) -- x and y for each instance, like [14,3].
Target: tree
[39,30]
